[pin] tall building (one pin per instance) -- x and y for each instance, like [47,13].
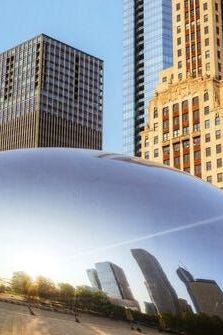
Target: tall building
[161,292]
[51,95]
[93,278]
[113,281]
[147,48]
[184,275]
[186,126]
[206,295]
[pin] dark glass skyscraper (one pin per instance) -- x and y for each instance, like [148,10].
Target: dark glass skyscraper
[50,96]
[147,50]
[160,290]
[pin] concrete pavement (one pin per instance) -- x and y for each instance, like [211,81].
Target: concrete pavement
[17,320]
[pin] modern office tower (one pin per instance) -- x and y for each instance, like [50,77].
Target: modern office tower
[185,128]
[147,50]
[50,96]
[93,278]
[113,281]
[206,295]
[161,292]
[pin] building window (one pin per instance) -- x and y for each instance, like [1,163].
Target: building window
[218,134]
[206,42]
[176,147]
[164,79]
[166,150]
[197,155]
[206,18]
[155,112]
[207,67]
[218,148]
[166,112]
[205,6]
[197,141]
[207,124]
[176,161]
[216,18]
[217,30]
[216,6]
[178,6]
[208,152]
[178,18]
[219,162]
[178,29]
[166,136]
[208,166]
[220,177]
[156,139]
[185,104]
[195,101]
[166,162]
[217,121]
[197,170]
[179,52]
[207,54]
[156,153]
[179,41]
[147,155]
[185,130]
[179,64]
[155,126]
[209,179]
[146,142]
[196,127]
[218,42]
[206,31]
[206,96]
[206,110]
[176,133]
[180,76]
[166,124]
[207,137]
[186,144]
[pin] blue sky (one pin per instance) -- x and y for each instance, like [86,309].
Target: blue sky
[94,26]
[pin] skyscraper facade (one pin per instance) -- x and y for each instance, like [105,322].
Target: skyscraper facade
[160,290]
[206,295]
[93,278]
[186,112]
[113,281]
[51,95]
[147,50]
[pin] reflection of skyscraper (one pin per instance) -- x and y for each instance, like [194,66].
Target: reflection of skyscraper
[150,308]
[93,278]
[113,281]
[184,275]
[206,295]
[160,290]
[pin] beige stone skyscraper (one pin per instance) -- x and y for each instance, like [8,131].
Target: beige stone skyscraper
[185,126]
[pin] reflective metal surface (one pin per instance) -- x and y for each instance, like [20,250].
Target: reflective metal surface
[63,210]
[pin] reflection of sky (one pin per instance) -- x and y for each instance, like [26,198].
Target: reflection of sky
[67,208]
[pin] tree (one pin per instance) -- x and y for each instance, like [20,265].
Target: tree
[66,292]
[45,288]
[20,282]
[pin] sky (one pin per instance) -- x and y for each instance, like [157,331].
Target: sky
[94,26]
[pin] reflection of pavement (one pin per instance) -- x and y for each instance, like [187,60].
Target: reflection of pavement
[16,320]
